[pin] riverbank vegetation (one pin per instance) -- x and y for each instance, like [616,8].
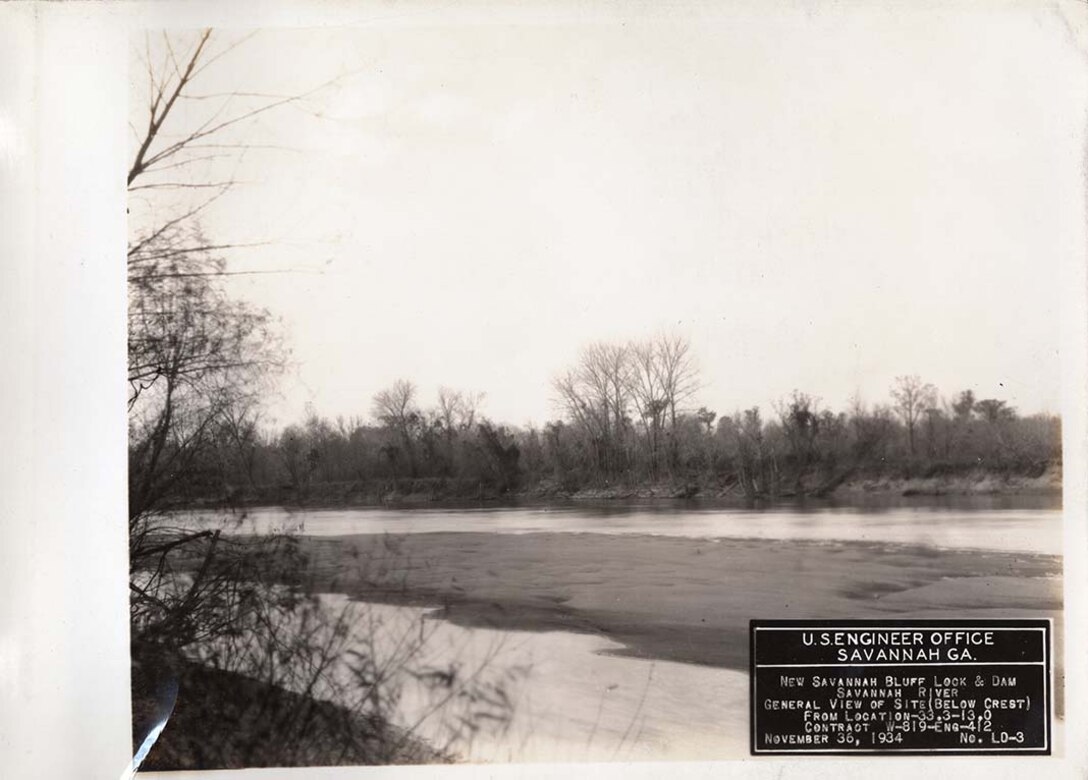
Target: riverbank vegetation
[236,661]
[632,425]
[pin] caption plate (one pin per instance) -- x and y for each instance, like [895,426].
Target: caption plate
[900,686]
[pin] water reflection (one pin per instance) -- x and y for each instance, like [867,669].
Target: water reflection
[572,701]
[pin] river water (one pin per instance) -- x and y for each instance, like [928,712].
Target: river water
[574,701]
[571,700]
[1006,524]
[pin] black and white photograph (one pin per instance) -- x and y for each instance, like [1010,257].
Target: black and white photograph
[513,386]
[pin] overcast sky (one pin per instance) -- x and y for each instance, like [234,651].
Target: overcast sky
[818,201]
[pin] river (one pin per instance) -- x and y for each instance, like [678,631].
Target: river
[1012,524]
[575,698]
[571,700]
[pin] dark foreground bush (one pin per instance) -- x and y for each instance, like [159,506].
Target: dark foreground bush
[245,664]
[223,720]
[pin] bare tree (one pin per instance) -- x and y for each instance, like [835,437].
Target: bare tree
[596,396]
[648,392]
[801,421]
[198,359]
[762,477]
[456,413]
[585,414]
[605,370]
[656,377]
[458,409]
[165,149]
[239,432]
[936,421]
[912,397]
[395,407]
[679,377]
[871,430]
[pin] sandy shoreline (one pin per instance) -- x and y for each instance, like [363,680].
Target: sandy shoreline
[678,599]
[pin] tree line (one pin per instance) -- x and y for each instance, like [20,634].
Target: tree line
[629,419]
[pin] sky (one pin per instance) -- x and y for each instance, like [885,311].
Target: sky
[818,201]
